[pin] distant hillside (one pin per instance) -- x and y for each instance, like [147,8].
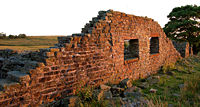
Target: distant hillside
[29,43]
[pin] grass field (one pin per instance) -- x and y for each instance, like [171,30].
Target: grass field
[30,43]
[178,86]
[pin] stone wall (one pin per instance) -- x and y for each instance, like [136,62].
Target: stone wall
[182,47]
[94,57]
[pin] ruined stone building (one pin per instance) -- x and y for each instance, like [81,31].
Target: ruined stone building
[112,47]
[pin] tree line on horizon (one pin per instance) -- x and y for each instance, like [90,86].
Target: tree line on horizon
[4,36]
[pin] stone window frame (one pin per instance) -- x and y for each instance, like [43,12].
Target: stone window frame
[127,61]
[158,36]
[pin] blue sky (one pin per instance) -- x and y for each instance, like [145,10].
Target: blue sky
[64,17]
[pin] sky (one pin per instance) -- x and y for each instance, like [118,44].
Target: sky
[65,17]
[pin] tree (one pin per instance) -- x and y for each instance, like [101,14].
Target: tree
[2,35]
[184,24]
[22,36]
[11,36]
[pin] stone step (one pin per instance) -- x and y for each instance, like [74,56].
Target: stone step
[6,83]
[18,76]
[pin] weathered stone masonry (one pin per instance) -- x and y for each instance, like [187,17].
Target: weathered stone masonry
[94,57]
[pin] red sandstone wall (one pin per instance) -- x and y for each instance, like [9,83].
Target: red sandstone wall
[122,26]
[95,58]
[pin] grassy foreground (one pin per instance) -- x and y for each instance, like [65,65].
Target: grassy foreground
[175,85]
[178,85]
[30,43]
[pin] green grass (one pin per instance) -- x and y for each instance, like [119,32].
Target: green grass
[180,89]
[169,91]
[29,43]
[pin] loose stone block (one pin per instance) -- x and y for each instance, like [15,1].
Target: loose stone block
[8,85]
[18,76]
